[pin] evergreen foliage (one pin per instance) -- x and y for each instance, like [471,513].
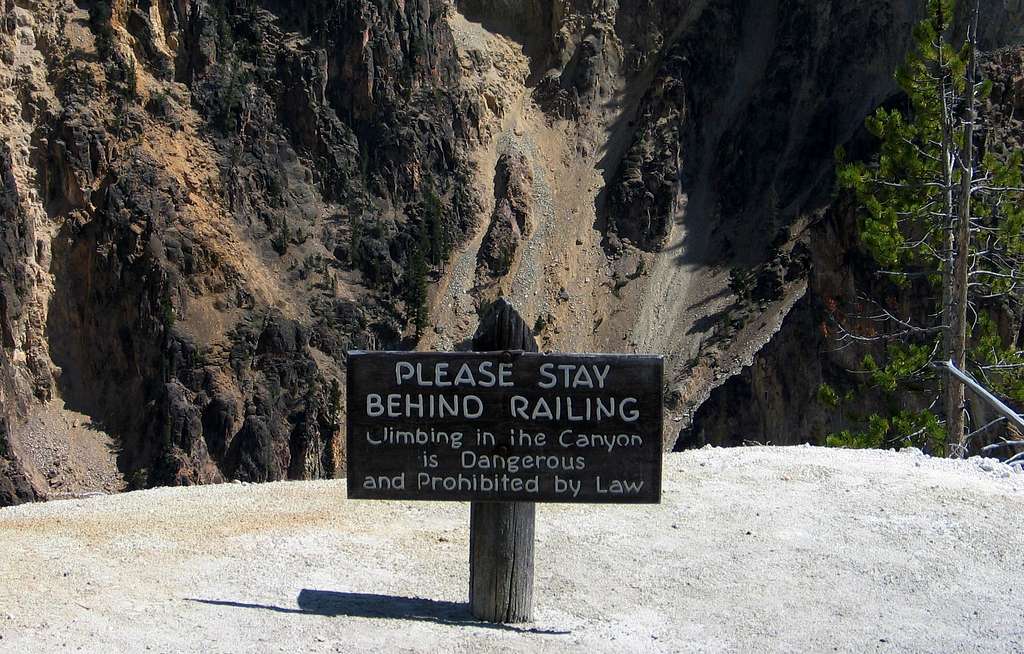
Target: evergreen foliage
[416,290]
[931,202]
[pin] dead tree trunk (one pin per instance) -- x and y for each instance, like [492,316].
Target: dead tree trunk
[957,327]
[501,533]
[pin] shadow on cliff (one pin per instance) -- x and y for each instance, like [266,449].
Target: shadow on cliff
[528,23]
[100,355]
[370,605]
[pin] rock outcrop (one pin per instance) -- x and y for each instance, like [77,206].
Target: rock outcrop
[510,221]
[212,202]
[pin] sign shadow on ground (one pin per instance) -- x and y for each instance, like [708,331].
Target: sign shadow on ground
[371,605]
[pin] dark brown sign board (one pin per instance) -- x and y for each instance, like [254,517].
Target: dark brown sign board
[504,427]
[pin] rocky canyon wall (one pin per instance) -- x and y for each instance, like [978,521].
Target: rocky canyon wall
[207,203]
[776,399]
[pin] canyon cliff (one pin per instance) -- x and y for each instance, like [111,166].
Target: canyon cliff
[206,203]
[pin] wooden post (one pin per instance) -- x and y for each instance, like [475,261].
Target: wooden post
[501,533]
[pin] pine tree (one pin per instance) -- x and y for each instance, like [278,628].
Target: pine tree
[416,290]
[942,214]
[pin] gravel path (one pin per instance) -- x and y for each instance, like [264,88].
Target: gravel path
[754,549]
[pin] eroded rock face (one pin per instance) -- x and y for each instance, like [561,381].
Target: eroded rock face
[223,201]
[775,399]
[15,486]
[644,195]
[510,221]
[24,371]
[743,113]
[206,203]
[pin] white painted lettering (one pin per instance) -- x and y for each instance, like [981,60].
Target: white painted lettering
[518,405]
[472,413]
[374,405]
[403,370]
[629,415]
[566,369]
[582,378]
[465,375]
[549,377]
[441,375]
[505,374]
[487,378]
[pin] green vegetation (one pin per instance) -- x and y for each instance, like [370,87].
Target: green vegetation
[416,290]
[828,396]
[919,429]
[539,324]
[432,245]
[439,239]
[943,218]
[138,479]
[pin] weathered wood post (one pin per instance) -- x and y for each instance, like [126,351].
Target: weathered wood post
[501,533]
[504,427]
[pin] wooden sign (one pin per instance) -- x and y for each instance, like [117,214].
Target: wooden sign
[504,427]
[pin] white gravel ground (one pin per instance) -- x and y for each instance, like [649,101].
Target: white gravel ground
[755,549]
